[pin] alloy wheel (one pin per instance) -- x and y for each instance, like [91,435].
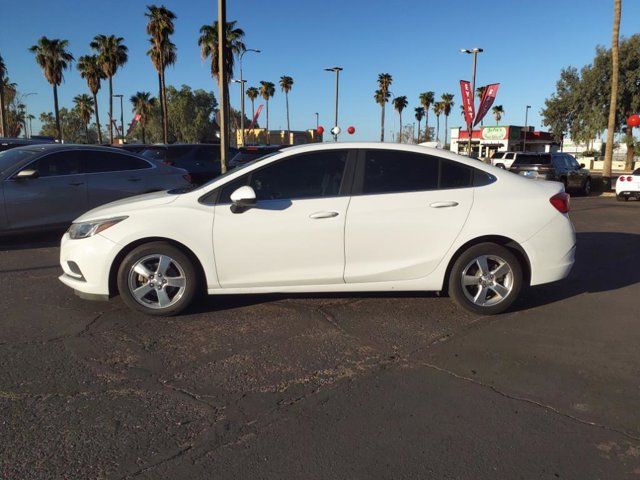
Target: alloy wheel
[487,280]
[157,281]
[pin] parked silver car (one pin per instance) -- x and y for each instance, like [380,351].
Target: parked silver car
[47,186]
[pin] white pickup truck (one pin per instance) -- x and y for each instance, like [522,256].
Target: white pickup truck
[503,159]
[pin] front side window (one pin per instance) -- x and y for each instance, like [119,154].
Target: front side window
[389,171]
[58,164]
[100,162]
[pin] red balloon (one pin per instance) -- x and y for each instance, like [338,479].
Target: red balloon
[351,130]
[633,120]
[320,130]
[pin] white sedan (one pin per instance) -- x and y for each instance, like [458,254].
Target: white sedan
[341,217]
[628,186]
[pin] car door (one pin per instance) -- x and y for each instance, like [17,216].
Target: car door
[114,175]
[295,233]
[56,196]
[575,174]
[406,211]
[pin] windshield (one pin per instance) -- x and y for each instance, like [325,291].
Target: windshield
[12,157]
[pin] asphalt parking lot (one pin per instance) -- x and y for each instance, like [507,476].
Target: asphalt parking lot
[361,386]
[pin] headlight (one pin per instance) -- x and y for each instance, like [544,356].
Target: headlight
[88,229]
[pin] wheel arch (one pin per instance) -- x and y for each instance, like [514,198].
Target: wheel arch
[117,261]
[513,246]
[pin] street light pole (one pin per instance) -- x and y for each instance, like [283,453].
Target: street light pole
[120,96]
[242,82]
[526,118]
[335,128]
[475,52]
[317,120]
[26,114]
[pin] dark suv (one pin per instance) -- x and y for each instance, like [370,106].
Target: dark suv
[252,152]
[201,160]
[558,167]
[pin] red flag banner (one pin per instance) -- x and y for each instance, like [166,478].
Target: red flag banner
[467,102]
[255,117]
[488,97]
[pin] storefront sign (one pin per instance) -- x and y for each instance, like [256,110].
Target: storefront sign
[495,133]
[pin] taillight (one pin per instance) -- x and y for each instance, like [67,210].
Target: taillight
[561,202]
[629,179]
[621,179]
[188,178]
[171,163]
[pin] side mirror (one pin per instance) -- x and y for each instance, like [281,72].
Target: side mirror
[582,165]
[243,198]
[24,174]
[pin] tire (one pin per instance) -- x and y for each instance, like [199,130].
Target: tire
[468,265]
[622,198]
[501,165]
[165,277]
[586,188]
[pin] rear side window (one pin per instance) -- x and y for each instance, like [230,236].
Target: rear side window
[454,175]
[100,162]
[532,159]
[389,171]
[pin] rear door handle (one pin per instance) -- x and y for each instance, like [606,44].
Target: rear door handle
[319,215]
[134,179]
[443,204]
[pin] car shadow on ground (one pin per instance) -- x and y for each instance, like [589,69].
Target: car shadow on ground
[605,261]
[33,240]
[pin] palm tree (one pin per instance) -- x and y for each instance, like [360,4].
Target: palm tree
[84,106]
[426,100]
[3,114]
[437,111]
[162,53]
[90,70]
[286,83]
[400,103]
[252,93]
[384,82]
[497,111]
[613,101]
[143,104]
[447,105]
[419,116]
[112,54]
[267,90]
[54,58]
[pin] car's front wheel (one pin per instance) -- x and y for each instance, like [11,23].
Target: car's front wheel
[157,279]
[486,279]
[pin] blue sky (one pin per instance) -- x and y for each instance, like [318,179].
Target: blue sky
[417,41]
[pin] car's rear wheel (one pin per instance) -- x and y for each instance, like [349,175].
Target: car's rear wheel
[586,188]
[157,279]
[486,279]
[622,198]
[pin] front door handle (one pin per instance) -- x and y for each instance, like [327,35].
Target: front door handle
[134,179]
[443,204]
[319,215]
[76,184]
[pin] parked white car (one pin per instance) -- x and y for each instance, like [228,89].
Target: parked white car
[339,217]
[504,159]
[628,186]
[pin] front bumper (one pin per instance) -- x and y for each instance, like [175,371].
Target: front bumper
[86,264]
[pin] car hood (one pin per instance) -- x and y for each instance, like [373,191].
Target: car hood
[126,205]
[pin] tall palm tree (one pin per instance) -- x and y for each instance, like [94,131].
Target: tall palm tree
[426,100]
[419,116]
[384,82]
[112,54]
[497,111]
[84,105]
[613,101]
[162,53]
[3,114]
[54,58]
[267,90]
[437,111]
[286,83]
[90,69]
[400,103]
[143,104]
[253,93]
[447,105]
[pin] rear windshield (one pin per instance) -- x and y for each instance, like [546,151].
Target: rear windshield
[636,171]
[532,159]
[11,157]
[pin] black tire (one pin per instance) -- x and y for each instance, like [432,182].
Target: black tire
[501,165]
[180,266]
[586,188]
[465,262]
[622,198]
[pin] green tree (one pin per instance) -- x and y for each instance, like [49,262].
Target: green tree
[447,105]
[112,54]
[162,52]
[498,112]
[54,58]
[84,106]
[71,123]
[384,83]
[426,100]
[419,116]
[90,69]
[400,103]
[143,104]
[267,90]
[286,83]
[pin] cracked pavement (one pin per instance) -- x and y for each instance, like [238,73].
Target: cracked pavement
[353,386]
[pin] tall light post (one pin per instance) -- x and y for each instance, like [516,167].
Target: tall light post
[317,120]
[474,52]
[242,82]
[336,129]
[121,96]
[526,118]
[26,114]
